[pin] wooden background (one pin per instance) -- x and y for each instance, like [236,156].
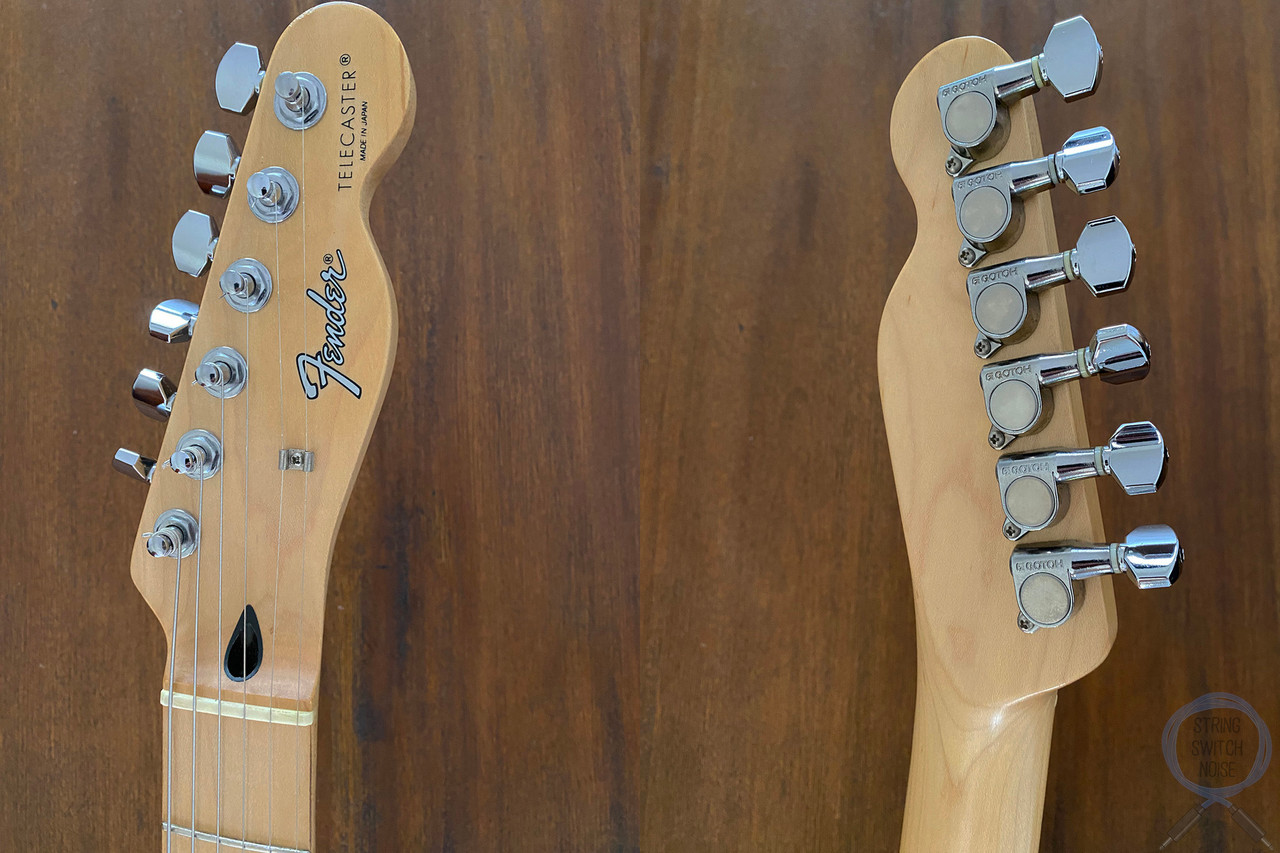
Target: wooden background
[623,569]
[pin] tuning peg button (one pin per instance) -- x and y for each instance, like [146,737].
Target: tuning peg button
[215,161]
[153,394]
[173,321]
[989,202]
[1030,483]
[239,78]
[194,239]
[1044,576]
[1017,403]
[975,110]
[1003,298]
[133,464]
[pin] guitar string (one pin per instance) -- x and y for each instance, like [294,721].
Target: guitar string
[275,599]
[195,664]
[306,483]
[244,609]
[195,667]
[222,431]
[173,661]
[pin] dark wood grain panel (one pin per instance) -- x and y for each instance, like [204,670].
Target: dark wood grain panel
[624,568]
[777,617]
[481,675]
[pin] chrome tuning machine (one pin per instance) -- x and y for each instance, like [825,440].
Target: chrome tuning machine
[134,465]
[239,78]
[1044,576]
[1003,298]
[173,321]
[153,394]
[1031,483]
[215,161]
[989,202]
[194,239]
[975,110]
[1014,391]
[176,535]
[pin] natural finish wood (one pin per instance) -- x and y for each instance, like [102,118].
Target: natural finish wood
[266,535]
[780,629]
[485,678]
[984,690]
[479,686]
[254,780]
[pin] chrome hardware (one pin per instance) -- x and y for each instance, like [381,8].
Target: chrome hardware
[222,372]
[176,534]
[215,162]
[1014,390]
[246,285]
[1044,575]
[239,78]
[1003,298]
[194,239]
[1030,482]
[173,321]
[295,459]
[133,464]
[273,194]
[989,202]
[153,394]
[300,99]
[198,455]
[975,110]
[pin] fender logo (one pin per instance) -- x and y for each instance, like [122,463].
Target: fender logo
[329,358]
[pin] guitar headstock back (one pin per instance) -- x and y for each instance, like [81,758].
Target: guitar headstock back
[966,615]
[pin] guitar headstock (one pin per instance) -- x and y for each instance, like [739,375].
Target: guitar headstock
[986,263]
[290,352]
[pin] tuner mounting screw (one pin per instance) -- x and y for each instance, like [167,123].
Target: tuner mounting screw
[967,257]
[953,165]
[1011,530]
[982,348]
[1025,625]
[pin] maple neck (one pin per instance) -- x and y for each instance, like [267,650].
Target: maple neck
[978,774]
[985,689]
[253,786]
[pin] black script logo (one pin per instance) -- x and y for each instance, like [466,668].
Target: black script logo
[329,358]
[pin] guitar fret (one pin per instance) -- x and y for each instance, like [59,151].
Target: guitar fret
[224,841]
